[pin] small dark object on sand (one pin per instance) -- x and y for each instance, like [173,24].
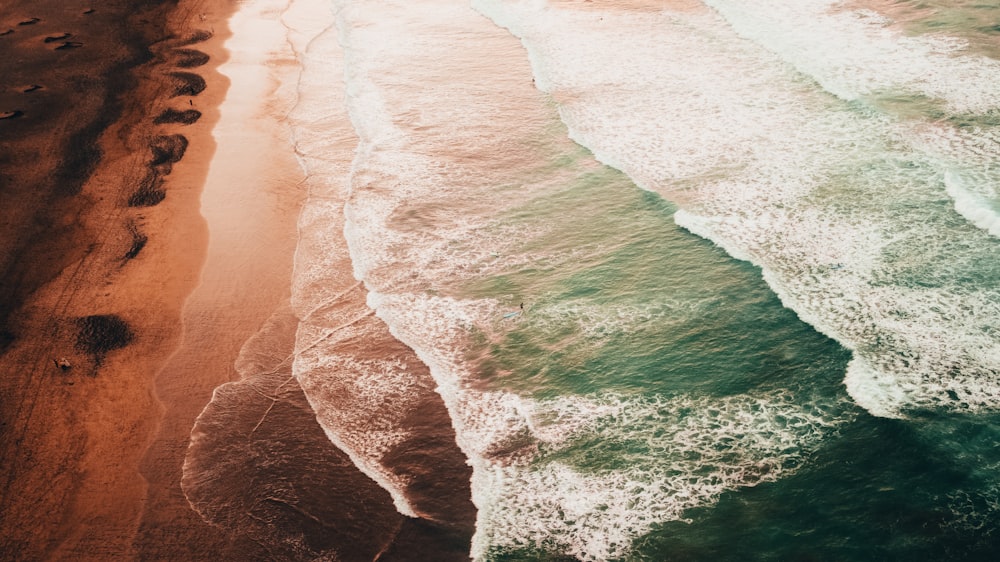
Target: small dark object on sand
[101,333]
[69,45]
[31,21]
[63,364]
[11,114]
[186,117]
[31,88]
[89,11]
[54,38]
[8,32]
[187,83]
[190,58]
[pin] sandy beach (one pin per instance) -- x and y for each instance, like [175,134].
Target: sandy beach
[148,250]
[288,280]
[100,256]
[101,343]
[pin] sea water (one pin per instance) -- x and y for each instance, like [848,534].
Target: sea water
[694,280]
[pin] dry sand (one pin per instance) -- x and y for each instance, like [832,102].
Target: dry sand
[118,238]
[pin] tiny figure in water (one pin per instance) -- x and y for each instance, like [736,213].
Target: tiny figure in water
[522,306]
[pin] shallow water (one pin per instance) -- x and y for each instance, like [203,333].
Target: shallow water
[750,313]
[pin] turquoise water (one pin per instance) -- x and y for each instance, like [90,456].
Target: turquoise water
[633,313]
[645,307]
[748,312]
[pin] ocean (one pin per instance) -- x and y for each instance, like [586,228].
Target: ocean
[681,280]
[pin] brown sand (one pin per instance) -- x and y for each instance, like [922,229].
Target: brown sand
[145,260]
[251,201]
[72,248]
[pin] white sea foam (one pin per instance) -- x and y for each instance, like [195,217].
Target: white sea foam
[978,209]
[855,53]
[676,454]
[361,406]
[685,451]
[842,209]
[359,402]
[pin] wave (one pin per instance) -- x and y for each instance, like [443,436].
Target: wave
[457,154]
[372,396]
[847,219]
[942,91]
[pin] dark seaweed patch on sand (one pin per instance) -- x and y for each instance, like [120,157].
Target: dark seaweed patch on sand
[186,117]
[81,159]
[197,37]
[60,37]
[187,83]
[149,191]
[100,334]
[167,150]
[190,58]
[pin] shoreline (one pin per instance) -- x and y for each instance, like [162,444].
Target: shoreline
[251,199]
[311,498]
[173,284]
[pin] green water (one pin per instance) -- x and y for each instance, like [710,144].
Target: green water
[620,302]
[687,346]
[628,302]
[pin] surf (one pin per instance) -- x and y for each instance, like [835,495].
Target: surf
[821,193]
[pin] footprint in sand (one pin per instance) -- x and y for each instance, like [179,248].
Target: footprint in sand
[31,21]
[32,88]
[69,45]
[89,11]
[8,32]
[11,114]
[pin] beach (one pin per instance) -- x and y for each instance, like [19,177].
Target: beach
[105,244]
[500,280]
[154,266]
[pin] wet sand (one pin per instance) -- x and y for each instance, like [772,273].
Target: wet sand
[144,241]
[260,465]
